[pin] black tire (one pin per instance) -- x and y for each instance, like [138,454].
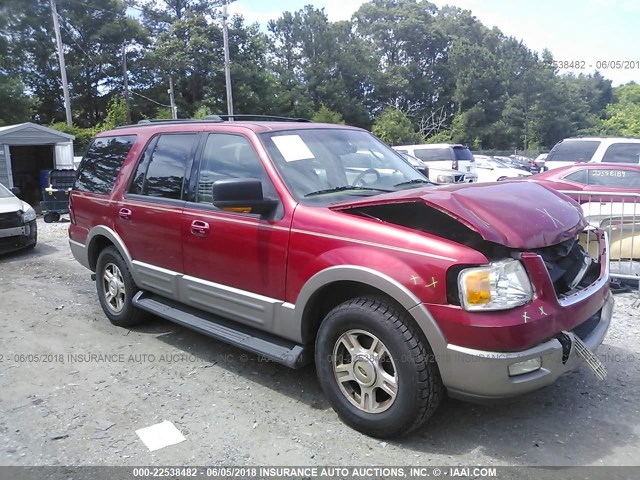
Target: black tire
[49,217]
[419,386]
[128,315]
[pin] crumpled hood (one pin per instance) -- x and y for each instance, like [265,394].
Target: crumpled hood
[520,215]
[11,204]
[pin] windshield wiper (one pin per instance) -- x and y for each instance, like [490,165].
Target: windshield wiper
[411,182]
[344,188]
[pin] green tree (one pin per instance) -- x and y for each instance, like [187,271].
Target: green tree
[395,128]
[15,105]
[326,115]
[116,113]
[623,115]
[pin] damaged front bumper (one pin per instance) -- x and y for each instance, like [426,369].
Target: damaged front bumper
[476,375]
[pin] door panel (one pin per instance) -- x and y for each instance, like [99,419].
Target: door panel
[235,263]
[149,217]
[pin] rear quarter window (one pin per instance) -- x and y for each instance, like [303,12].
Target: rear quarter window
[617,178]
[432,154]
[623,153]
[463,153]
[102,162]
[574,151]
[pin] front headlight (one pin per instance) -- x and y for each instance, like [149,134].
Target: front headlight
[445,179]
[497,286]
[29,215]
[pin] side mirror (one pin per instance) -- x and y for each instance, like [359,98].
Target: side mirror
[242,195]
[16,191]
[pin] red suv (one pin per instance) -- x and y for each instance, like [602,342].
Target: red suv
[308,242]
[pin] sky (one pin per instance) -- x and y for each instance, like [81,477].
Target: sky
[586,31]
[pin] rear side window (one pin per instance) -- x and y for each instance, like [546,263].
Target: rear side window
[161,172]
[623,153]
[432,154]
[578,151]
[463,153]
[102,162]
[577,177]
[616,177]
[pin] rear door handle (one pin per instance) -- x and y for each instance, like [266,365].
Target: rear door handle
[124,213]
[198,227]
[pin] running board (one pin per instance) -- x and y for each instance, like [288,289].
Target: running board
[276,349]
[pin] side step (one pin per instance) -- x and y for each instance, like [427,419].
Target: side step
[281,351]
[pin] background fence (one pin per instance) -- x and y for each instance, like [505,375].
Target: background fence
[619,215]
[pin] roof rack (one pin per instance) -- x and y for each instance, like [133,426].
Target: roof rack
[215,119]
[246,116]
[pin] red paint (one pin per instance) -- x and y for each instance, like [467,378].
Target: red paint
[276,258]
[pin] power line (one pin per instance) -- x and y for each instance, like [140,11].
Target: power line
[74,40]
[147,98]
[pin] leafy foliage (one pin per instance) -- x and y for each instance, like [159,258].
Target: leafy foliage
[325,115]
[399,66]
[395,128]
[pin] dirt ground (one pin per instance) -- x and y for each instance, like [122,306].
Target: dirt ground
[74,389]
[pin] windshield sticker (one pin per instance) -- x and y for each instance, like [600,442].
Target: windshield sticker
[292,148]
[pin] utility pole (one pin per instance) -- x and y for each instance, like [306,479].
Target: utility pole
[227,66]
[125,76]
[63,68]
[174,109]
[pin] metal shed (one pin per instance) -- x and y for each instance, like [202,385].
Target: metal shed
[27,149]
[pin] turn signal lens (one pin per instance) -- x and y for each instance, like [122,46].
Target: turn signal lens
[477,288]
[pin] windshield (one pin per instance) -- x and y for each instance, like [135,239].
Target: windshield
[327,166]
[5,192]
[573,151]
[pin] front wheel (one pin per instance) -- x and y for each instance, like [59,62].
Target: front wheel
[116,289]
[377,368]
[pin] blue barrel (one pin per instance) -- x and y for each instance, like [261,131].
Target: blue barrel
[44,178]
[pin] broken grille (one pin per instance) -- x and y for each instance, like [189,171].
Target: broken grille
[570,267]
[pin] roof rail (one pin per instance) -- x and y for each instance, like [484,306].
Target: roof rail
[215,119]
[246,116]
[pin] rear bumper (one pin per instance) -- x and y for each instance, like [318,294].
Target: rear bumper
[478,375]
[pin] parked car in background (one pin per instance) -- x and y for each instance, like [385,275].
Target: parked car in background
[416,163]
[540,162]
[17,222]
[437,174]
[621,221]
[444,155]
[274,237]
[594,150]
[593,177]
[493,170]
[523,162]
[618,214]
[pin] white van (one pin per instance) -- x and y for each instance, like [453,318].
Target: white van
[594,150]
[444,155]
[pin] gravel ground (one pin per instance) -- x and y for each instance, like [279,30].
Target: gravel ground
[66,408]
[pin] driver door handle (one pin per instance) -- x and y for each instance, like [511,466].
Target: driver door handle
[124,213]
[200,228]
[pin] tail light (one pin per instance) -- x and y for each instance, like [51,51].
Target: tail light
[454,165]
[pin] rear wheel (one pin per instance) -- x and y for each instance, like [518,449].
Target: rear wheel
[376,367]
[116,288]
